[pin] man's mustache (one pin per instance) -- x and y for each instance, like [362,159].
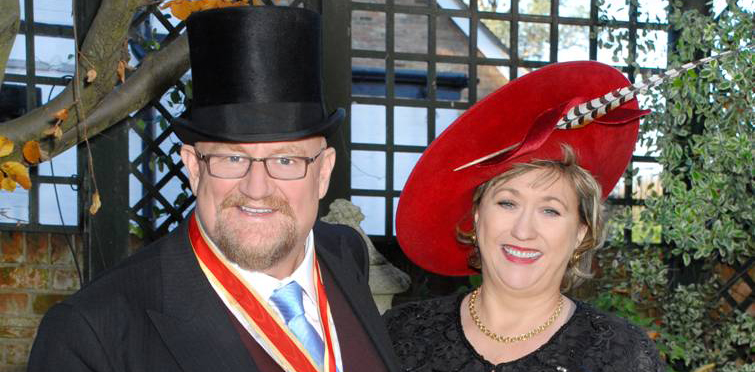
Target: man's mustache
[270,202]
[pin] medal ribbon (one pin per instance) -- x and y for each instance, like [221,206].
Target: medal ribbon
[287,351]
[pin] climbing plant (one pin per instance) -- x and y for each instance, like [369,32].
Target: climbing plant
[692,289]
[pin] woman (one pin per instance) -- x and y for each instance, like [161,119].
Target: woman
[511,192]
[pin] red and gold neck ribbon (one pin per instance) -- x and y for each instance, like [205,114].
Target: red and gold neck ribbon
[284,347]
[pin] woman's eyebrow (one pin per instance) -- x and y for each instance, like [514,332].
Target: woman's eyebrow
[556,199]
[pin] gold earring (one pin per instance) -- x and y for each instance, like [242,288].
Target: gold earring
[575,258]
[473,260]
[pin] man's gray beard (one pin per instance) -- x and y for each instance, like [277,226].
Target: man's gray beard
[254,257]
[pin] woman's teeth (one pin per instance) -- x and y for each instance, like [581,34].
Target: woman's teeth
[522,254]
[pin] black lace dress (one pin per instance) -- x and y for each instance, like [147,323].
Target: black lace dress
[428,336]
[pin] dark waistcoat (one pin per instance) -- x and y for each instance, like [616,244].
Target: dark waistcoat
[357,351]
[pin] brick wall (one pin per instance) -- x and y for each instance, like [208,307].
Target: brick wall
[36,271]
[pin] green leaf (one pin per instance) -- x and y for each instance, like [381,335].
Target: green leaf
[134,229]
[475,280]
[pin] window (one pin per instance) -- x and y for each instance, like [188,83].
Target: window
[39,67]
[418,64]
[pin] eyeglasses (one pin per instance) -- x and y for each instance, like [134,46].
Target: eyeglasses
[277,167]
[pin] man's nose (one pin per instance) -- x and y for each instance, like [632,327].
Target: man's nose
[257,184]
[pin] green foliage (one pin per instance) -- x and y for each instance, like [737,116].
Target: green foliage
[702,126]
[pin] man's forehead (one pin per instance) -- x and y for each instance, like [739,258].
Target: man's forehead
[295,146]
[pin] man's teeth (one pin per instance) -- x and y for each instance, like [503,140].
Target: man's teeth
[256,210]
[522,254]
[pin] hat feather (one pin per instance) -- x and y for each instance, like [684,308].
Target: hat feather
[585,113]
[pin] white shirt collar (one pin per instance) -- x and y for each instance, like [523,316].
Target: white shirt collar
[265,284]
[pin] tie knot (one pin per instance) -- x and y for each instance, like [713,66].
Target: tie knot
[288,299]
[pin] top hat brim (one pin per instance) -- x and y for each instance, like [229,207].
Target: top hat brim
[436,199]
[190,133]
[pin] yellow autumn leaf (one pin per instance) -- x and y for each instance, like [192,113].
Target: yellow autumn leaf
[49,131]
[58,132]
[207,4]
[122,71]
[12,168]
[17,172]
[61,115]
[91,75]
[55,131]
[226,4]
[7,184]
[182,9]
[24,181]
[6,146]
[179,8]
[32,153]
[706,368]
[95,203]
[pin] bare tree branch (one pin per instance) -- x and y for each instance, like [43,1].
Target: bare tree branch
[103,103]
[9,21]
[158,72]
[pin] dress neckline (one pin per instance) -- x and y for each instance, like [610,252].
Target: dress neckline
[579,307]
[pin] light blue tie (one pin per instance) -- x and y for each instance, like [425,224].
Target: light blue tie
[288,299]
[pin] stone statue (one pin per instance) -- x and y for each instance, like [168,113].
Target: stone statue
[385,279]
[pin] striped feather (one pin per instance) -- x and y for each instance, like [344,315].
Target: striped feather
[584,113]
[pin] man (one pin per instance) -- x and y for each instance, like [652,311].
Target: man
[250,282]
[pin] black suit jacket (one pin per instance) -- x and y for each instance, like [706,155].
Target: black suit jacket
[156,311]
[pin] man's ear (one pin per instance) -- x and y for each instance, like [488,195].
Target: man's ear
[326,169]
[189,158]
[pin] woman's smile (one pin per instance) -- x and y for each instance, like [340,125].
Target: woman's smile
[520,255]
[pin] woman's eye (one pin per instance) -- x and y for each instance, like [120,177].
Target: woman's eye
[552,212]
[506,203]
[233,159]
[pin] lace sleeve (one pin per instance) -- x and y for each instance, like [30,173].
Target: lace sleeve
[644,355]
[622,346]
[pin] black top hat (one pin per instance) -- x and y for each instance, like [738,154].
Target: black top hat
[256,76]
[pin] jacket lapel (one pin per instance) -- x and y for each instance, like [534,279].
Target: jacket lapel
[194,322]
[330,253]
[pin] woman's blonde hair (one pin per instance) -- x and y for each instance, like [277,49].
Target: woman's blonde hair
[588,192]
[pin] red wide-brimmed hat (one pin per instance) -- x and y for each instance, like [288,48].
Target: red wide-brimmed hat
[528,118]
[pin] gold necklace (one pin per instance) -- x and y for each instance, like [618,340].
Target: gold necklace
[507,339]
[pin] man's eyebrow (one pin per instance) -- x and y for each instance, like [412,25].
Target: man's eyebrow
[236,148]
[225,148]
